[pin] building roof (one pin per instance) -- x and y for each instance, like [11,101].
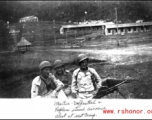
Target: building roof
[28,17]
[128,25]
[23,42]
[87,25]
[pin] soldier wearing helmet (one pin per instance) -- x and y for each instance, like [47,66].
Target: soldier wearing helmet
[64,76]
[46,85]
[85,80]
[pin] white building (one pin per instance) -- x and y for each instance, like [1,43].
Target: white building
[28,19]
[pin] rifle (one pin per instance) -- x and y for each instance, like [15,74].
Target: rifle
[112,85]
[110,82]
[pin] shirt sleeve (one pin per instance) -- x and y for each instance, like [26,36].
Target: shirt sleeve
[69,79]
[98,78]
[34,90]
[74,84]
[58,83]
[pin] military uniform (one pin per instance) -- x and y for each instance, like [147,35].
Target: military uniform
[85,80]
[66,79]
[39,87]
[82,83]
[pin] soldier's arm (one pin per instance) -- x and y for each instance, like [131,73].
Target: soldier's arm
[98,78]
[35,87]
[34,91]
[74,84]
[69,79]
[58,83]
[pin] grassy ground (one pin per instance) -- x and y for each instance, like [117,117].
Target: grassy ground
[132,58]
[18,71]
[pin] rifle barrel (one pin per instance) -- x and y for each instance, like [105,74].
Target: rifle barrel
[118,84]
[102,92]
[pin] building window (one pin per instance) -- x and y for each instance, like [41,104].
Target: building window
[65,30]
[134,28]
[129,29]
[109,30]
[116,30]
[121,29]
[147,28]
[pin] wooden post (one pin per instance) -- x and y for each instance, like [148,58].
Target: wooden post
[75,34]
[117,27]
[54,31]
[66,37]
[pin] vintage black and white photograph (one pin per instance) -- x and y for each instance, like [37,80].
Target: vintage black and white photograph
[76,49]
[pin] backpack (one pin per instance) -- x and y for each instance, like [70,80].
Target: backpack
[93,78]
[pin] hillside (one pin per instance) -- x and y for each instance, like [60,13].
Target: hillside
[61,13]
[75,11]
[132,58]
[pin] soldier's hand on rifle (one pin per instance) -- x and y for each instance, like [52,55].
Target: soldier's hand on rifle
[95,92]
[74,94]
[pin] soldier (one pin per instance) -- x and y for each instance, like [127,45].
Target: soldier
[64,76]
[85,80]
[46,85]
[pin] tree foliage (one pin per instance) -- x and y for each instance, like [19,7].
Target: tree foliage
[75,11]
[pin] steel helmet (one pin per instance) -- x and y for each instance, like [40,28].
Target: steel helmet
[44,64]
[82,57]
[58,63]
